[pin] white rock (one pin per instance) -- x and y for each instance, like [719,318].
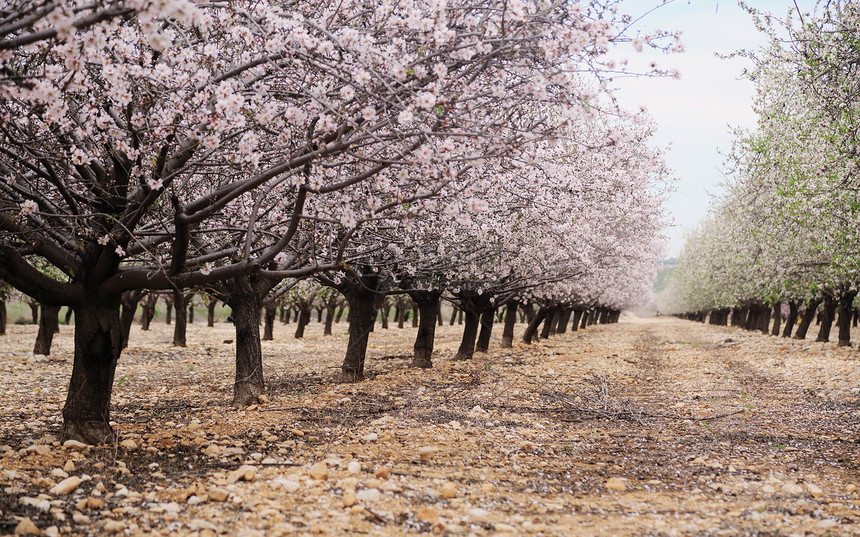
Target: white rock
[66,485]
[354,467]
[368,495]
[426,453]
[75,445]
[41,505]
[826,523]
[371,437]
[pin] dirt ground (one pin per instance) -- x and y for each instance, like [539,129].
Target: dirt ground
[653,427]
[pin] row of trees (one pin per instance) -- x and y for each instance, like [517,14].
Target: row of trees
[463,149]
[783,236]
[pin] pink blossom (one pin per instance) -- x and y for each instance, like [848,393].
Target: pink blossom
[28,207]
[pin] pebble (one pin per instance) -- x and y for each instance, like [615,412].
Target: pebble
[826,523]
[243,473]
[851,488]
[128,444]
[41,505]
[371,437]
[66,485]
[80,518]
[27,527]
[319,471]
[218,494]
[75,445]
[449,490]
[69,466]
[262,399]
[349,499]
[59,474]
[368,495]
[427,453]
[114,526]
[792,488]
[354,467]
[382,472]
[618,484]
[814,490]
[507,528]
[427,514]
[39,449]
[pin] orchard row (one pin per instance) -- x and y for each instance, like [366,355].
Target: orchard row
[461,150]
[784,234]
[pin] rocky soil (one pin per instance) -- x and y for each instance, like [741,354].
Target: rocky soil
[652,427]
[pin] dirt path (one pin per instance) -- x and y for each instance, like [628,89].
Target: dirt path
[648,427]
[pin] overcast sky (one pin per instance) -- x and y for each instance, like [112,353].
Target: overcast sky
[696,113]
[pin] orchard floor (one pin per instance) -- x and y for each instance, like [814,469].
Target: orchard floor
[651,427]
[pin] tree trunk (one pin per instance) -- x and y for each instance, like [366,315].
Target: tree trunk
[471,308]
[271,311]
[827,314]
[329,319]
[304,318]
[402,315]
[362,315]
[190,312]
[487,318]
[439,316]
[531,329]
[777,318]
[210,312]
[128,302]
[384,313]
[3,317]
[585,315]
[168,311]
[460,317]
[415,316]
[340,313]
[34,310]
[563,320]
[319,314]
[49,324]
[148,311]
[791,320]
[547,323]
[98,343]
[453,315]
[429,304]
[577,315]
[245,303]
[510,322]
[806,320]
[845,313]
[180,328]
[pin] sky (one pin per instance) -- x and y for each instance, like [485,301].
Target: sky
[697,113]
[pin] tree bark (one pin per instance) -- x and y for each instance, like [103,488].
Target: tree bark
[777,318]
[362,315]
[845,312]
[304,318]
[453,315]
[415,315]
[806,320]
[510,323]
[3,317]
[471,308]
[49,324]
[34,310]
[791,320]
[180,328]
[428,302]
[548,322]
[168,310]
[129,302]
[531,329]
[577,315]
[827,314]
[271,311]
[148,311]
[585,316]
[190,312]
[245,303]
[563,320]
[329,319]
[488,316]
[210,312]
[98,343]
[384,313]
